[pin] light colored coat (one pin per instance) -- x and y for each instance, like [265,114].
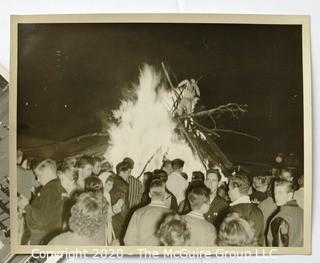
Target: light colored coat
[144,224]
[202,233]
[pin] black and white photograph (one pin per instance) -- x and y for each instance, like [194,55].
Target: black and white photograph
[160,131]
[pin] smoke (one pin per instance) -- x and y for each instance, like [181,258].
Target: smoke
[145,128]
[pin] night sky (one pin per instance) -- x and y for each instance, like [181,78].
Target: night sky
[68,72]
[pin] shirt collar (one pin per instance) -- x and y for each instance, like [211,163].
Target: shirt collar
[157,203]
[196,214]
[245,199]
[291,203]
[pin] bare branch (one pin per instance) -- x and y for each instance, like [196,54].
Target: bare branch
[233,108]
[238,133]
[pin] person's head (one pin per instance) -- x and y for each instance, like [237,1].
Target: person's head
[177,165]
[223,192]
[105,175]
[109,184]
[260,183]
[147,178]
[29,163]
[19,156]
[88,214]
[160,174]
[212,180]
[157,190]
[167,166]
[199,197]
[67,174]
[96,166]
[301,181]
[70,160]
[129,161]
[197,176]
[239,185]
[45,171]
[123,169]
[93,184]
[283,192]
[84,166]
[236,231]
[287,174]
[173,231]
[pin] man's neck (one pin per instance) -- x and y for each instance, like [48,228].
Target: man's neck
[68,188]
[213,195]
[49,180]
[125,178]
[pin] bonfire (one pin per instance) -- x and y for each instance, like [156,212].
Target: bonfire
[162,122]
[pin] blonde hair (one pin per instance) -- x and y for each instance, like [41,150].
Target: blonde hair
[236,231]
[173,227]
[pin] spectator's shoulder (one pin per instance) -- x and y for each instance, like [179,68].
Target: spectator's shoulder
[222,201]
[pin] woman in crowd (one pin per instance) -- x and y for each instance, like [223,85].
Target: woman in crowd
[173,231]
[88,217]
[236,231]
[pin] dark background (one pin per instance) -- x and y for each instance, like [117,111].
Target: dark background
[68,72]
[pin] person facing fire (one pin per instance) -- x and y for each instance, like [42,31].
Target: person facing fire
[202,233]
[135,186]
[144,222]
[119,195]
[176,183]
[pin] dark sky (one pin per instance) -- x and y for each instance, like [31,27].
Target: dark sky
[67,72]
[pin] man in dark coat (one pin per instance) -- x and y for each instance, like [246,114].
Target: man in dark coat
[119,199]
[218,206]
[44,216]
[286,227]
[239,188]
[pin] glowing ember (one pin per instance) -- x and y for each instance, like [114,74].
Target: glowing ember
[145,128]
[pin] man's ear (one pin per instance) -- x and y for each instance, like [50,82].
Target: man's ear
[149,194]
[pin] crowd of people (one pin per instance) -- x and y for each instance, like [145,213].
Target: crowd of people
[83,201]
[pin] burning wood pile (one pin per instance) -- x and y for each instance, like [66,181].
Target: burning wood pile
[165,123]
[201,138]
